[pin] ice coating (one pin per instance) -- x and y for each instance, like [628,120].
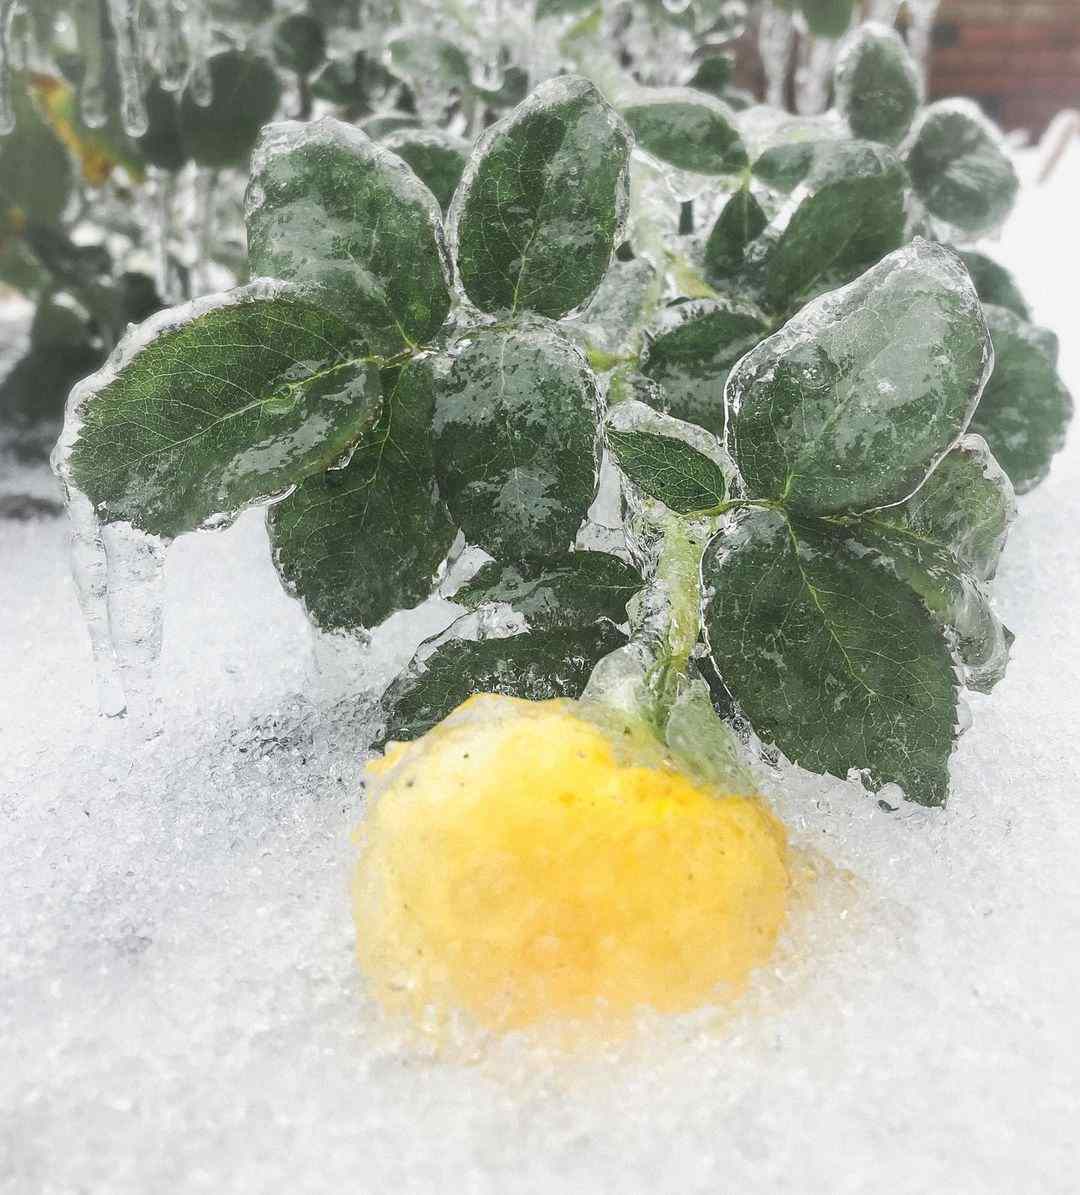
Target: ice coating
[173,52]
[7,109]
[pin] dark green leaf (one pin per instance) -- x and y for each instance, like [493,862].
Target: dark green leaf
[995,284]
[877,84]
[676,463]
[956,601]
[690,349]
[1025,408]
[827,18]
[741,219]
[541,204]
[515,441]
[436,157]
[299,43]
[219,403]
[567,594]
[713,74]
[966,505]
[829,655]
[858,396]
[686,129]
[245,95]
[330,209]
[358,543]
[960,168]
[162,144]
[849,216]
[536,666]
[357,82]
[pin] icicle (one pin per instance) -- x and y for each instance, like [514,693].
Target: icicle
[92,50]
[920,29]
[883,10]
[125,21]
[173,57]
[776,37]
[813,73]
[204,230]
[7,110]
[490,71]
[199,81]
[135,591]
[163,203]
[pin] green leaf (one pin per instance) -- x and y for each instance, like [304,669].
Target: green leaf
[713,74]
[436,157]
[358,82]
[245,93]
[966,506]
[960,168]
[861,393]
[536,666]
[827,18]
[611,327]
[515,440]
[741,220]
[1025,408]
[541,205]
[676,463]
[208,407]
[830,657]
[877,85]
[162,144]
[356,544]
[686,129]
[565,594]
[953,598]
[36,175]
[995,284]
[429,60]
[691,347]
[847,215]
[299,43]
[331,210]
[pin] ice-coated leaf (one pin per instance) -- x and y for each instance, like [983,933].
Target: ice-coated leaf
[966,505]
[430,60]
[329,209]
[741,219]
[686,129]
[566,594]
[676,463]
[541,204]
[536,666]
[960,168]
[515,440]
[1025,408]
[215,404]
[690,348]
[358,543]
[877,85]
[782,146]
[713,74]
[862,392]
[995,284]
[846,215]
[611,327]
[829,655]
[827,18]
[245,94]
[436,157]
[956,601]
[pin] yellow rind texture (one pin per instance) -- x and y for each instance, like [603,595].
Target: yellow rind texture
[523,863]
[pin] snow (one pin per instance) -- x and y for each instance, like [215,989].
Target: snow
[179,1008]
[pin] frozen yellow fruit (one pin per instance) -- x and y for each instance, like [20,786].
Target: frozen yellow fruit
[525,861]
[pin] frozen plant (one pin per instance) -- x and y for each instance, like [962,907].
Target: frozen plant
[783,406]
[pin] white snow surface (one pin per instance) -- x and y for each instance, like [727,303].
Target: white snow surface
[179,1007]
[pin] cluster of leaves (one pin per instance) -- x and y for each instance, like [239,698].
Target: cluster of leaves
[791,393]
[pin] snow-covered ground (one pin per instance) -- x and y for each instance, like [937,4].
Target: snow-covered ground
[179,1009]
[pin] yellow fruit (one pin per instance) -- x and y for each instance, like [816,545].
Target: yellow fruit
[525,861]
